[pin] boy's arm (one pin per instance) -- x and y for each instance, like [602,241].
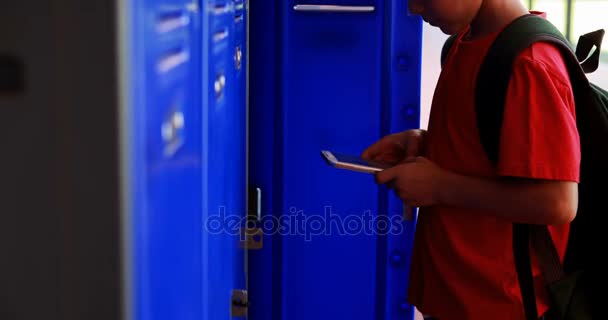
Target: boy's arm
[420,182]
[539,145]
[537,173]
[517,199]
[539,157]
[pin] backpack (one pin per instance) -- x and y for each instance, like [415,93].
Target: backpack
[573,287]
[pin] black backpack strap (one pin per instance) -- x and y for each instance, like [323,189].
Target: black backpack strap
[585,44]
[491,89]
[542,243]
[447,46]
[521,248]
[495,73]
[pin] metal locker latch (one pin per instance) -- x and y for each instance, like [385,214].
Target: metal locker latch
[252,239]
[172,132]
[239,303]
[192,7]
[238,57]
[219,85]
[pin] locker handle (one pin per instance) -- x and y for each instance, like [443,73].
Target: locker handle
[255,204]
[332,8]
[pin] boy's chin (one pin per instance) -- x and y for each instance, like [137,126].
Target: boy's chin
[450,30]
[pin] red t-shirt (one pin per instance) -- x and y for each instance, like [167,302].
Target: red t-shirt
[463,265]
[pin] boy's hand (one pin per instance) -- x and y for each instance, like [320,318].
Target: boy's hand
[396,147]
[416,181]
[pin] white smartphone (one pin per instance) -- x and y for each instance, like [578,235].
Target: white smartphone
[352,162]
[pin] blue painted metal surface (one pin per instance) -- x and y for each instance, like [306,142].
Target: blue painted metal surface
[329,81]
[265,144]
[224,157]
[332,82]
[188,162]
[319,81]
[402,77]
[167,238]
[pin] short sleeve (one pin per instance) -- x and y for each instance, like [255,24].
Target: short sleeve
[539,137]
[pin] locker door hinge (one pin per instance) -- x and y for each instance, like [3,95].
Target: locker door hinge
[239,303]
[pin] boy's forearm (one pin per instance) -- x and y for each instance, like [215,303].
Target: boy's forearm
[519,200]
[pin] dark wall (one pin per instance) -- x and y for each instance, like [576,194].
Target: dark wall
[59,189]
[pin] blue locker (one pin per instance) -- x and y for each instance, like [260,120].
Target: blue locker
[224,157]
[335,78]
[165,274]
[187,139]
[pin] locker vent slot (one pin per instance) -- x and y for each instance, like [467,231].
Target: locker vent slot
[220,8]
[172,60]
[172,20]
[220,35]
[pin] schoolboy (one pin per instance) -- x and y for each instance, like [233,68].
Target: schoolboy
[462,265]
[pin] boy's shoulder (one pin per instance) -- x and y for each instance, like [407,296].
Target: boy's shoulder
[541,61]
[546,57]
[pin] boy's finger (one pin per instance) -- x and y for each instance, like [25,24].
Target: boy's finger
[409,159]
[385,176]
[413,148]
[369,152]
[408,212]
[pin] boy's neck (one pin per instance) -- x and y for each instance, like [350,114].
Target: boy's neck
[494,15]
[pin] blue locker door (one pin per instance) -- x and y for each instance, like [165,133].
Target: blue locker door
[331,100]
[224,154]
[329,77]
[401,87]
[166,225]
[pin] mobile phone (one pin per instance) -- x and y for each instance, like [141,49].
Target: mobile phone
[352,162]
